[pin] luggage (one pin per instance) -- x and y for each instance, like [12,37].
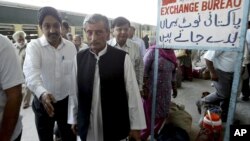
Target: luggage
[211,127]
[170,132]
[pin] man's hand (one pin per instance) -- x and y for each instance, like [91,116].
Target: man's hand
[214,76]
[74,128]
[47,100]
[174,93]
[211,69]
[135,134]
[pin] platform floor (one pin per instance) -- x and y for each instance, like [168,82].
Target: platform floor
[188,94]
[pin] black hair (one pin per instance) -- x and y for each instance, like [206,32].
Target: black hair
[65,24]
[47,10]
[120,21]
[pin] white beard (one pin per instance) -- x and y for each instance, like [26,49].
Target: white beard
[21,45]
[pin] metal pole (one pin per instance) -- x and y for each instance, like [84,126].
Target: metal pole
[154,94]
[237,73]
[233,98]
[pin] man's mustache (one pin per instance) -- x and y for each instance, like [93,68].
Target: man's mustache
[93,43]
[53,34]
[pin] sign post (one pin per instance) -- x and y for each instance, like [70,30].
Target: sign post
[204,25]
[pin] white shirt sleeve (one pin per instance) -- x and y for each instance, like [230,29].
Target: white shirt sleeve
[73,103]
[10,75]
[136,112]
[209,55]
[10,67]
[32,69]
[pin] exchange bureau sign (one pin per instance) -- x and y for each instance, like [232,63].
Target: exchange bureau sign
[200,23]
[205,25]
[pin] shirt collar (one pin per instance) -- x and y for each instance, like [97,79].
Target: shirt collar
[20,47]
[45,43]
[114,43]
[102,52]
[133,38]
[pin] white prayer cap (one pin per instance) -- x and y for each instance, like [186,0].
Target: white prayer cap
[18,34]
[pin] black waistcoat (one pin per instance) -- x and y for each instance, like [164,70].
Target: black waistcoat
[114,103]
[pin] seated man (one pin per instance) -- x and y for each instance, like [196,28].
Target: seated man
[221,67]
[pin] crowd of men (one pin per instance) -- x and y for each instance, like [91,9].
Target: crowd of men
[90,90]
[55,75]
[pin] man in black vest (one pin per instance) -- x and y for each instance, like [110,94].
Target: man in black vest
[103,81]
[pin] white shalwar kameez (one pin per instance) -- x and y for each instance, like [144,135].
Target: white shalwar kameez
[136,112]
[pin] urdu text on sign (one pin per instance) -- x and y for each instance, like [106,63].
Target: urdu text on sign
[213,23]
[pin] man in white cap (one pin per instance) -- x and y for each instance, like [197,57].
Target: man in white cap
[20,47]
[20,44]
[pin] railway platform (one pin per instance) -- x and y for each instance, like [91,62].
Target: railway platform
[188,94]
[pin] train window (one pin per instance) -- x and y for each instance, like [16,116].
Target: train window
[146,27]
[79,30]
[7,30]
[31,31]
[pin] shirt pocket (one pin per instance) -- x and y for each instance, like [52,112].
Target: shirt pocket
[67,67]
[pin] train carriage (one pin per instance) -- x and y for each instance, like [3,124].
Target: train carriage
[16,17]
